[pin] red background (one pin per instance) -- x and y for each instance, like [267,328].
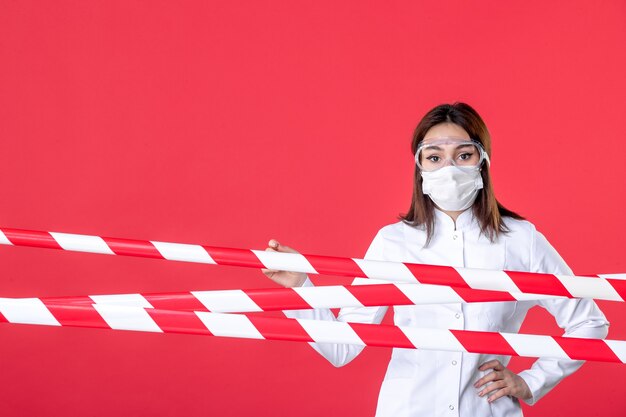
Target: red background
[228,123]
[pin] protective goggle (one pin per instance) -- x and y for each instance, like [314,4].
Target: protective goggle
[441,152]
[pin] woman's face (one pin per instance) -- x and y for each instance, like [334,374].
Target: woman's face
[447,144]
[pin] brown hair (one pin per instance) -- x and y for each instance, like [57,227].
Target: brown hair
[487,210]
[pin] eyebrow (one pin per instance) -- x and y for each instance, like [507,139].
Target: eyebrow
[438,148]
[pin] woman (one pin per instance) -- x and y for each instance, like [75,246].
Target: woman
[455,220]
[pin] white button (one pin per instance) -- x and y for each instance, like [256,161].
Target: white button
[451,407]
[457,315]
[453,362]
[454,236]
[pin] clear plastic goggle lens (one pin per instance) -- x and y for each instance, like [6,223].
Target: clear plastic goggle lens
[439,153]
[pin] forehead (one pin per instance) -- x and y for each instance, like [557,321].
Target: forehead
[450,131]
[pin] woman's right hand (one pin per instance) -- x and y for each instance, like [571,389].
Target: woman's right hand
[285,278]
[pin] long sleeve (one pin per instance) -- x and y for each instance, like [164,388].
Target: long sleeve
[342,354]
[578,317]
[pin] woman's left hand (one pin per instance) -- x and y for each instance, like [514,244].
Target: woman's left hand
[503,382]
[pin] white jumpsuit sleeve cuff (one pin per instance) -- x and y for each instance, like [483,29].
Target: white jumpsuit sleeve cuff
[535,383]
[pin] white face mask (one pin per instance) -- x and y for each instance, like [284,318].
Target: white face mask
[452,188]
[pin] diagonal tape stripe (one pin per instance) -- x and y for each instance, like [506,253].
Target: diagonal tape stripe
[129,300]
[4,240]
[183,252]
[483,342]
[178,321]
[180,301]
[127,318]
[481,278]
[589,288]
[27,311]
[277,299]
[277,329]
[538,283]
[229,325]
[612,276]
[437,275]
[82,243]
[284,261]
[226,301]
[234,257]
[437,339]
[619,285]
[331,332]
[327,297]
[31,238]
[591,349]
[618,347]
[129,247]
[470,295]
[541,346]
[388,292]
[397,272]
[389,336]
[79,314]
[431,294]
[330,265]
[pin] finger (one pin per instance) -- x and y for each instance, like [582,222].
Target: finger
[499,394]
[283,248]
[494,364]
[491,376]
[492,387]
[273,243]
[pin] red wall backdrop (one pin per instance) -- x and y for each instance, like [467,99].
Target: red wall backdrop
[228,123]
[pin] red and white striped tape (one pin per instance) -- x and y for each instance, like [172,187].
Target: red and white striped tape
[602,287]
[300,298]
[33,311]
